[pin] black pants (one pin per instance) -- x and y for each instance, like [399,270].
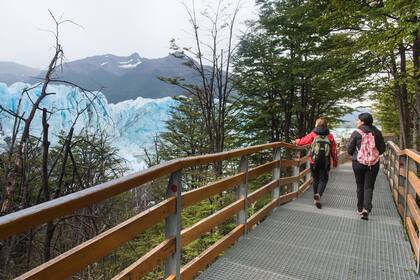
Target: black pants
[365,180]
[320,176]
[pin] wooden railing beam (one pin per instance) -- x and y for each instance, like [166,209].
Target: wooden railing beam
[148,262]
[88,252]
[31,217]
[199,194]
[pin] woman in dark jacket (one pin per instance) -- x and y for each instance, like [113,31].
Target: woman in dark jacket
[365,175]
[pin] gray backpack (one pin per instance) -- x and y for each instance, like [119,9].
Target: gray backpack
[320,150]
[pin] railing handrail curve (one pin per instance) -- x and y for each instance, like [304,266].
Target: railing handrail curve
[402,172]
[413,154]
[31,217]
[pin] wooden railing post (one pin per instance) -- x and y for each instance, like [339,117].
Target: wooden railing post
[277,172]
[397,187]
[308,165]
[173,226]
[391,175]
[406,166]
[388,169]
[296,169]
[242,192]
[391,170]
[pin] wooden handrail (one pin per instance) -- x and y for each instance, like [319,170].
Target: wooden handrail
[395,148]
[88,252]
[199,194]
[414,155]
[200,262]
[400,167]
[148,262]
[210,222]
[25,219]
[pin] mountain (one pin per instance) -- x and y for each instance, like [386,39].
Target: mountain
[118,77]
[11,72]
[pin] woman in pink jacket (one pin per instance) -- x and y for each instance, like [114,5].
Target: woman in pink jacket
[323,154]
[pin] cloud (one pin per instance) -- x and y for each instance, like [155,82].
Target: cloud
[117,27]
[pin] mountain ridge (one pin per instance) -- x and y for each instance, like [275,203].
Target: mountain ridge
[118,77]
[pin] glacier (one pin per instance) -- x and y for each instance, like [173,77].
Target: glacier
[131,124]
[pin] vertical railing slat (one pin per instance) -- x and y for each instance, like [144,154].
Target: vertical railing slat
[308,165]
[173,226]
[406,166]
[277,172]
[242,192]
[398,182]
[296,170]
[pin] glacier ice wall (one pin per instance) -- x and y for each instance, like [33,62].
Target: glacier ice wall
[131,124]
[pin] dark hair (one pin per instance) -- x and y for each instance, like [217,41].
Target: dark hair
[366,118]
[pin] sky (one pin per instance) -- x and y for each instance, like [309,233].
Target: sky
[106,27]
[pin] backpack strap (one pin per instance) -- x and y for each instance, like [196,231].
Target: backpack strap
[360,132]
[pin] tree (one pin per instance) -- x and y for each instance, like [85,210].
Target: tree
[389,31]
[385,113]
[186,134]
[212,61]
[290,71]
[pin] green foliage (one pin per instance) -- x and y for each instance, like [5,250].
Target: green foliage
[185,135]
[386,114]
[386,33]
[289,71]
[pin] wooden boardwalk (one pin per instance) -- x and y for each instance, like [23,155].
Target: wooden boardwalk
[299,241]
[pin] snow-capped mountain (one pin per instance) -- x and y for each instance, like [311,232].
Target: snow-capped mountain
[131,124]
[119,78]
[115,65]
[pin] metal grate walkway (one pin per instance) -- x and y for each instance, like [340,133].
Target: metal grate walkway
[299,241]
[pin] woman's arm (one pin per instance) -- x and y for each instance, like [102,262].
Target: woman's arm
[334,151]
[307,139]
[351,147]
[380,143]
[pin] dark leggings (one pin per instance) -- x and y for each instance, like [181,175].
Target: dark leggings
[365,180]
[320,176]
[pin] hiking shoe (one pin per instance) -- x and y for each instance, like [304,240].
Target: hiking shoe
[317,201]
[365,214]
